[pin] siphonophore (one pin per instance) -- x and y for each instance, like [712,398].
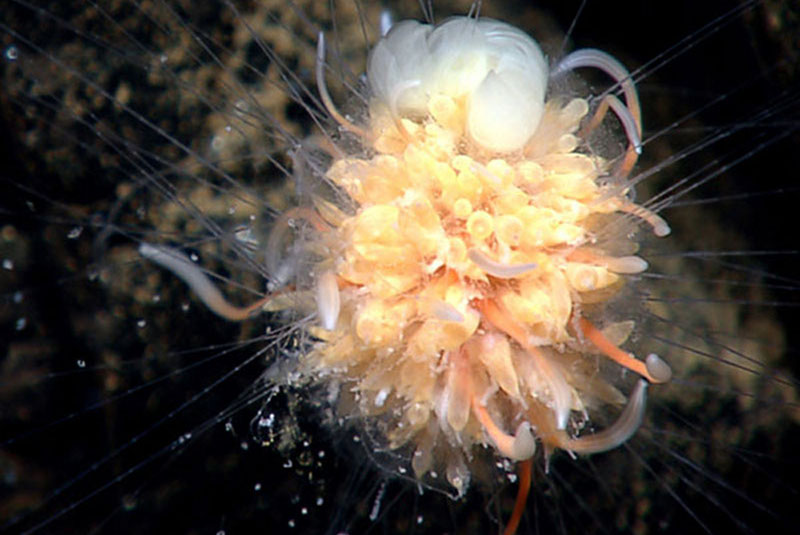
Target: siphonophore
[132,128]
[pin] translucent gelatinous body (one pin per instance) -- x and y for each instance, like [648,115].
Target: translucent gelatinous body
[465,267]
[496,71]
[452,298]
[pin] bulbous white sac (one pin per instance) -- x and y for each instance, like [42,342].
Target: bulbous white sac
[499,69]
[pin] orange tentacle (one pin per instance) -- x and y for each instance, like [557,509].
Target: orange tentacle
[623,358]
[524,472]
[501,321]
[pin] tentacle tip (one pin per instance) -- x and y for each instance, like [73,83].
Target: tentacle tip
[662,230]
[386,21]
[660,227]
[147,250]
[658,369]
[446,312]
[524,445]
[321,45]
[498,269]
[328,300]
[562,417]
[630,265]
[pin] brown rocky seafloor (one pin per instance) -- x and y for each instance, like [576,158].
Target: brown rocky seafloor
[80,339]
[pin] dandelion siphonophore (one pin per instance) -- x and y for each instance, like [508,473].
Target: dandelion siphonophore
[355,268]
